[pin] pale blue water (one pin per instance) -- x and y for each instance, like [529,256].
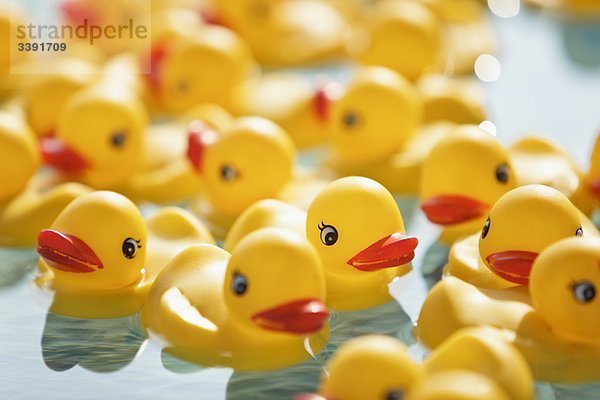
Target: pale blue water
[550,82]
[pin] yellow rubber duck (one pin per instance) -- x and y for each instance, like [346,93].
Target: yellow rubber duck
[358,231]
[592,177]
[251,160]
[106,156]
[462,177]
[521,224]
[100,257]
[557,332]
[472,364]
[202,65]
[284,33]
[242,310]
[405,36]
[290,101]
[28,202]
[375,131]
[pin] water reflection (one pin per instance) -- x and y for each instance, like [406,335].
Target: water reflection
[581,40]
[434,261]
[15,265]
[98,345]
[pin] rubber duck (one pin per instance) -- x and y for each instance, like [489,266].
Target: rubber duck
[472,364]
[100,257]
[290,101]
[28,202]
[114,121]
[251,160]
[283,33]
[410,28]
[556,330]
[592,177]
[521,224]
[374,128]
[462,177]
[242,310]
[203,65]
[358,231]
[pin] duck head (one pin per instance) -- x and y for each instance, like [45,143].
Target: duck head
[463,176]
[378,115]
[275,282]
[98,137]
[357,229]
[250,161]
[98,242]
[564,288]
[521,224]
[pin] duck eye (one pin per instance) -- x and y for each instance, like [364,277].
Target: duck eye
[395,394]
[584,292]
[239,284]
[182,87]
[229,173]
[486,228]
[118,139]
[350,119]
[329,235]
[579,232]
[130,247]
[502,174]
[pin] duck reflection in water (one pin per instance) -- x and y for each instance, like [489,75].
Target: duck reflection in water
[98,345]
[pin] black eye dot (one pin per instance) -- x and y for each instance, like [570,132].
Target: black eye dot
[239,284]
[350,119]
[502,173]
[584,291]
[579,232]
[486,228]
[182,87]
[118,139]
[329,235]
[130,247]
[228,173]
[395,394]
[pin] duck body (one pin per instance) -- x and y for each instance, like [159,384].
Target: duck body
[543,322]
[195,303]
[106,272]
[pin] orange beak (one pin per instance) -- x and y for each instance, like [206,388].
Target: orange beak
[514,266]
[297,317]
[57,154]
[453,209]
[67,253]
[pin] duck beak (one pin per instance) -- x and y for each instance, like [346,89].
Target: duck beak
[594,188]
[76,13]
[514,266]
[199,138]
[453,209]
[297,317]
[311,396]
[325,94]
[158,54]
[391,251]
[57,154]
[67,253]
